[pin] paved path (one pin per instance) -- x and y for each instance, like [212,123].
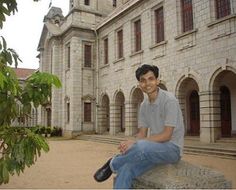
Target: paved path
[70,164]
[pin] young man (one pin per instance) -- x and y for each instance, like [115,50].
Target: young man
[161,113]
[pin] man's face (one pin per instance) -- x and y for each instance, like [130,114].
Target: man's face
[148,83]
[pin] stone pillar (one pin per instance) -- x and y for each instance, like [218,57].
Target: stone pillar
[112,119]
[102,120]
[131,123]
[56,93]
[76,89]
[210,123]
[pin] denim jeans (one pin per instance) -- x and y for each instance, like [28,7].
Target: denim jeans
[142,156]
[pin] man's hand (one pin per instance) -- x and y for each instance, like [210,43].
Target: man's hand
[125,145]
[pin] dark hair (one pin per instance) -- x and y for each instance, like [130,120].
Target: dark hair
[144,69]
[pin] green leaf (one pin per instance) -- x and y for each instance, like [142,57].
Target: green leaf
[3,39]
[5,10]
[5,173]
[2,79]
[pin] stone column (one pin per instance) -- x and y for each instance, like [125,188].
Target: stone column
[56,93]
[210,123]
[112,119]
[131,123]
[102,120]
[76,88]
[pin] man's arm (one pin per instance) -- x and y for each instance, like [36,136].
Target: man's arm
[163,136]
[125,145]
[142,133]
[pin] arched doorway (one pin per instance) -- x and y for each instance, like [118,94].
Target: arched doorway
[225,110]
[187,94]
[194,113]
[120,112]
[224,88]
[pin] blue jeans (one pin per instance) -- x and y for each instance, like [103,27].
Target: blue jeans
[142,156]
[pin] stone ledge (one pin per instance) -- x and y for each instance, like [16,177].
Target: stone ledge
[182,175]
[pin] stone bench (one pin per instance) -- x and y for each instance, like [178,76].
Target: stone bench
[182,175]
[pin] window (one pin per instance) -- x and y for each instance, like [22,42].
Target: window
[87,112]
[68,56]
[159,25]
[187,15]
[114,3]
[106,51]
[222,8]
[87,55]
[120,43]
[137,35]
[86,2]
[68,112]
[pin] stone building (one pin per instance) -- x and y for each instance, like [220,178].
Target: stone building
[30,120]
[96,48]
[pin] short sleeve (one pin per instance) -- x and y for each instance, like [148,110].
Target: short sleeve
[142,121]
[171,113]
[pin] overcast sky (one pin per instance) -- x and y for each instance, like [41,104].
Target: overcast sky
[22,30]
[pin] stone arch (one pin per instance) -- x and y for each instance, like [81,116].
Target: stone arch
[223,103]
[187,92]
[132,110]
[118,112]
[104,114]
[216,73]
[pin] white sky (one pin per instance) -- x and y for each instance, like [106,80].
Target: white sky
[22,31]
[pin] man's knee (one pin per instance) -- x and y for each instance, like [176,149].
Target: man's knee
[126,171]
[142,145]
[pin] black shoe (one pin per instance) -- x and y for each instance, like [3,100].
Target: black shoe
[103,173]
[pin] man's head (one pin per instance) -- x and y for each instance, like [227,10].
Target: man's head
[147,75]
[144,69]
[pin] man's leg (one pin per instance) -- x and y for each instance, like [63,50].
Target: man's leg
[128,172]
[141,157]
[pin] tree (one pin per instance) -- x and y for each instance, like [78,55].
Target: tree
[19,147]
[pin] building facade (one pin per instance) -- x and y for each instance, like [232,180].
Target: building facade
[97,47]
[30,120]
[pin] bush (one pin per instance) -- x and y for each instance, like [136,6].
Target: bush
[56,132]
[48,130]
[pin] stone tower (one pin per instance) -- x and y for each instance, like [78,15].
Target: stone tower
[68,49]
[102,6]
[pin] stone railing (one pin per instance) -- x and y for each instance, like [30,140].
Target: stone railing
[182,175]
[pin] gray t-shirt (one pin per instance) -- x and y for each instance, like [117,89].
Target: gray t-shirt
[165,111]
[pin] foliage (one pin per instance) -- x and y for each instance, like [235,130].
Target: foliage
[19,147]
[6,7]
[56,132]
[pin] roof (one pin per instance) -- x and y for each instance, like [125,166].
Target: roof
[118,11]
[23,73]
